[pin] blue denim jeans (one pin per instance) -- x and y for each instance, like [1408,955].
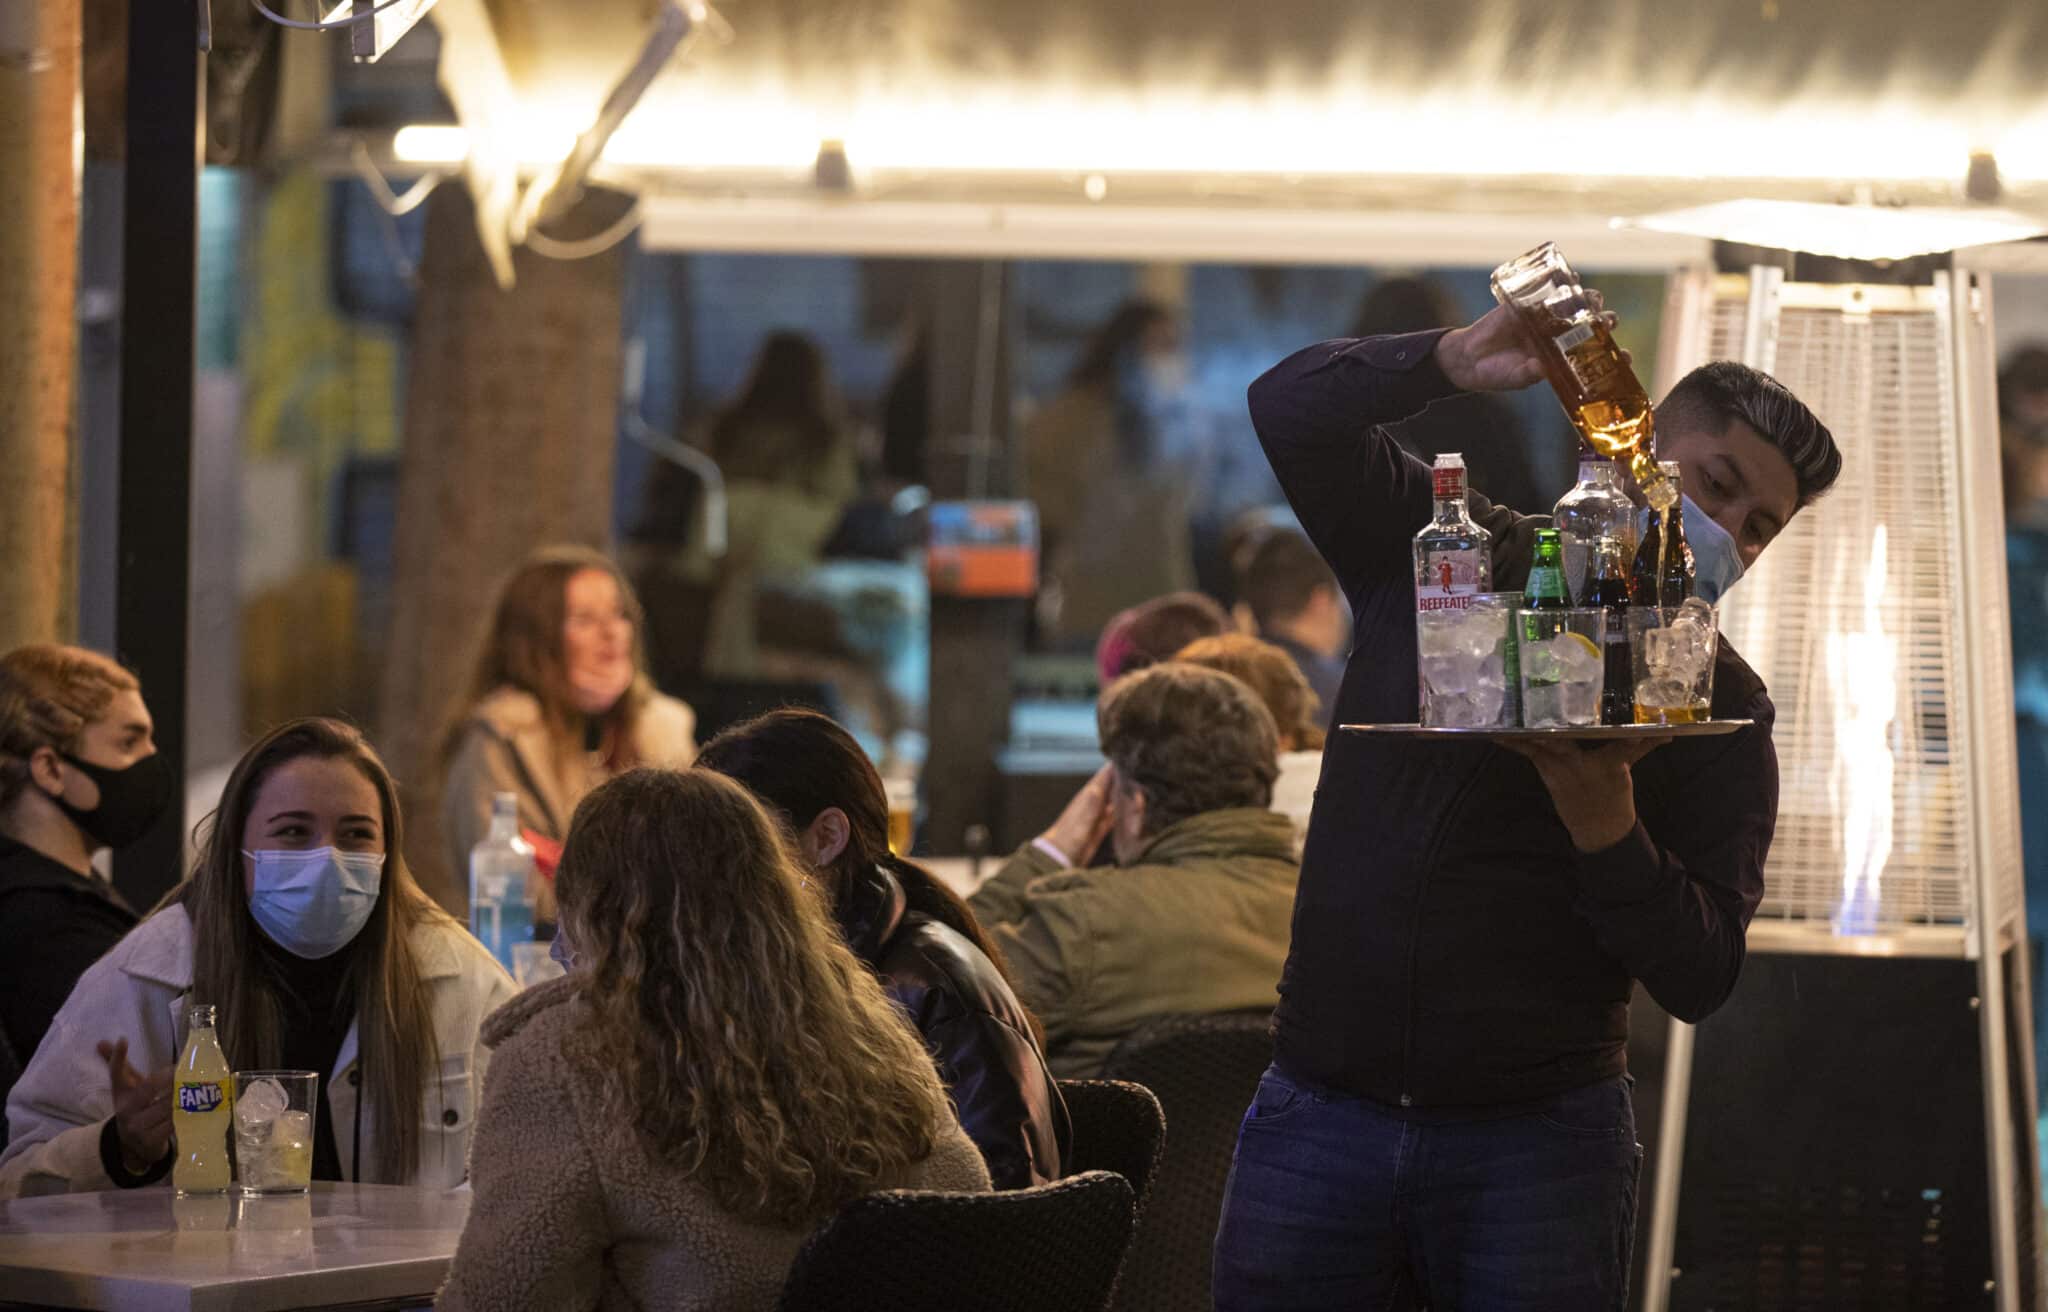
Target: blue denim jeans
[1335,1204]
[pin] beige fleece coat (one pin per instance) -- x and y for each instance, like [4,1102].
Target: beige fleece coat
[571,1212]
[505,747]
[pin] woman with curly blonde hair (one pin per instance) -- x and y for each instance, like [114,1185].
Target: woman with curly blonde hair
[716,1075]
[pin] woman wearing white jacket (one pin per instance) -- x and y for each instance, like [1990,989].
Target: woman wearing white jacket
[302,926]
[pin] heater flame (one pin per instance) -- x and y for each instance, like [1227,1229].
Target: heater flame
[1863,680]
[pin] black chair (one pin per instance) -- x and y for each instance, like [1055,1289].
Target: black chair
[1204,1071]
[1055,1248]
[1118,1126]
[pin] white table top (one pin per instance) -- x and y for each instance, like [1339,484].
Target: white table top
[144,1250]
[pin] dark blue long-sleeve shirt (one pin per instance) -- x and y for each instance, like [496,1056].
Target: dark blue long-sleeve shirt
[1451,948]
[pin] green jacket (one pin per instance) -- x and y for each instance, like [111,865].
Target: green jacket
[1199,923]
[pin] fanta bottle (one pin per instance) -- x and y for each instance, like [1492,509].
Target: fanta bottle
[203,1114]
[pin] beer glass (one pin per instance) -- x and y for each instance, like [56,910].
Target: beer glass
[902,795]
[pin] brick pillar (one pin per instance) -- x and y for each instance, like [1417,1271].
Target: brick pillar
[39,72]
[511,415]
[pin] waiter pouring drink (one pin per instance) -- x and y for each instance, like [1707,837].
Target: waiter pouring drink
[1447,1122]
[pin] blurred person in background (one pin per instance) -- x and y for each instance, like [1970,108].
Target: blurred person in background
[1293,601]
[2023,392]
[1193,917]
[2023,412]
[788,456]
[716,1075]
[557,704]
[1113,502]
[79,771]
[932,956]
[1273,675]
[1501,465]
[787,450]
[788,431]
[301,924]
[1152,632]
[907,413]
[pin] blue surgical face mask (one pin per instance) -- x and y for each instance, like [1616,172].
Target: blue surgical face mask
[314,903]
[1715,561]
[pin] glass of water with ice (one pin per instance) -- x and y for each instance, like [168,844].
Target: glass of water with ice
[274,1130]
[1563,666]
[1463,659]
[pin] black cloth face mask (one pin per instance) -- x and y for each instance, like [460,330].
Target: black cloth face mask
[131,799]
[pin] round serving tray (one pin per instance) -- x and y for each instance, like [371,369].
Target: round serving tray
[1588,733]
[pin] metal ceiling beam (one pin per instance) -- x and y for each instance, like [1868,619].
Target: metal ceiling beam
[1053,231]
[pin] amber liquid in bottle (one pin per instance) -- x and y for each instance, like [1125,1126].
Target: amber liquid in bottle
[1600,393]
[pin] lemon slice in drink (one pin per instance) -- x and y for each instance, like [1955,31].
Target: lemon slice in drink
[1587,643]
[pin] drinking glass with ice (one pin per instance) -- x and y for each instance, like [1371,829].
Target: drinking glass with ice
[1673,650]
[1563,669]
[274,1130]
[1462,656]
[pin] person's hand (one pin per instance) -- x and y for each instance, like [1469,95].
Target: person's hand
[1592,788]
[142,1107]
[1086,821]
[1491,355]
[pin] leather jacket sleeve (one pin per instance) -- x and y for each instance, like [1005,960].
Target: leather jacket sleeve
[1005,1097]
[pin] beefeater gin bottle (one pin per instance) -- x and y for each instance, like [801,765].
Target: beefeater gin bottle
[1453,555]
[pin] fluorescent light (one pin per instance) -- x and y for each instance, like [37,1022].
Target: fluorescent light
[1853,232]
[1054,127]
[1080,229]
[423,143]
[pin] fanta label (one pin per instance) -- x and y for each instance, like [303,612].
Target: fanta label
[200,1097]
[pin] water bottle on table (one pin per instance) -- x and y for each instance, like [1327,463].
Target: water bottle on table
[501,872]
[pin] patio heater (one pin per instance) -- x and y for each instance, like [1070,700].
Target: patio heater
[1857,1126]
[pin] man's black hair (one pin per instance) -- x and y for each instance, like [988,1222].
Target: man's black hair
[1713,394]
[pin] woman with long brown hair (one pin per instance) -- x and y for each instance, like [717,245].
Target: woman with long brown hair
[558,704]
[1105,461]
[301,925]
[916,934]
[716,1075]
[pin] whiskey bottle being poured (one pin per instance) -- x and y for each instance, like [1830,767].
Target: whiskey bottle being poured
[1593,381]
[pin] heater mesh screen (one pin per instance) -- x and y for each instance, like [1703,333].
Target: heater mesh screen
[1854,618]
